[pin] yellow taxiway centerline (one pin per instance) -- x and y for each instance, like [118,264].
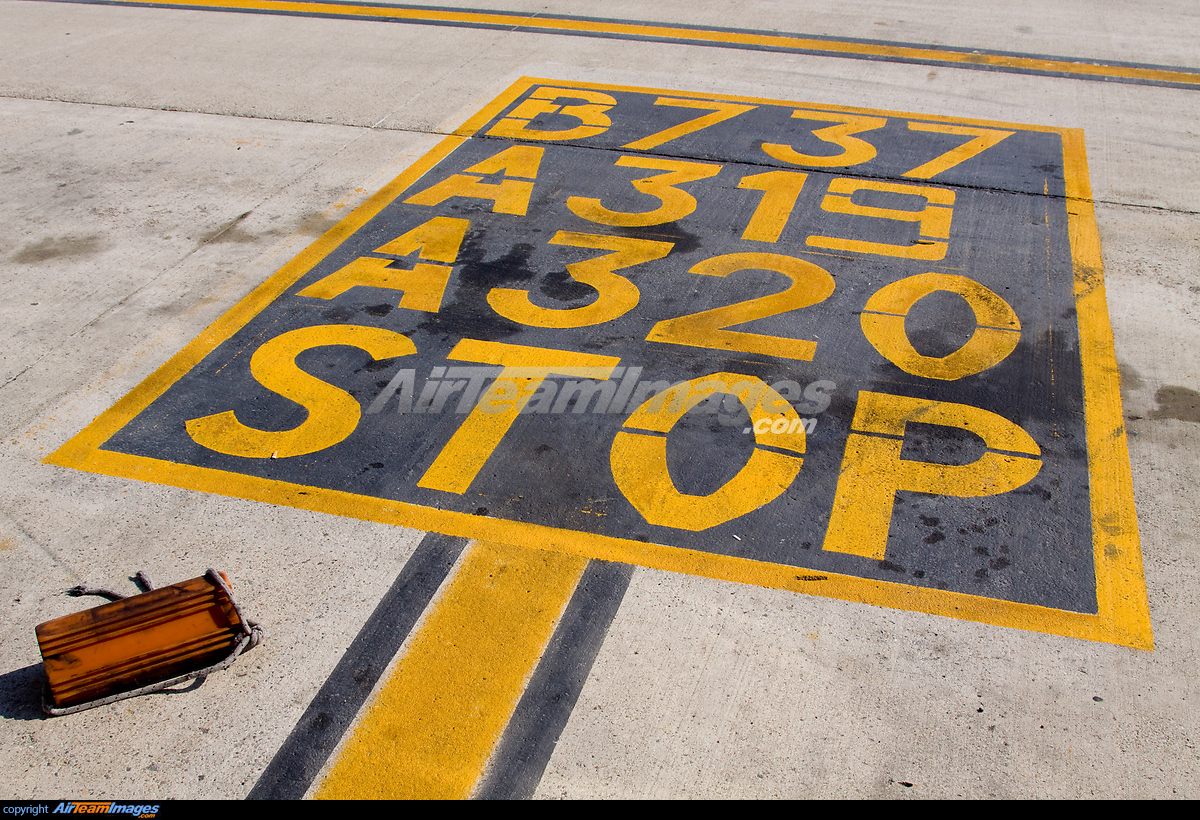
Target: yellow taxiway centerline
[702,36]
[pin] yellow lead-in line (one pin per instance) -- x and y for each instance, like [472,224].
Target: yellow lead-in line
[432,727]
[704,36]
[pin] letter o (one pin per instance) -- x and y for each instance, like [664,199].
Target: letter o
[639,461]
[996,335]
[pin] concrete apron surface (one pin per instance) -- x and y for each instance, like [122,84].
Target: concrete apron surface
[430,636]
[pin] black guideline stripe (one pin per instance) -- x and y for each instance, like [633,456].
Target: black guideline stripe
[333,710]
[520,758]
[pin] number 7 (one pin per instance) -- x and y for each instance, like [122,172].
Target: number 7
[985,138]
[721,111]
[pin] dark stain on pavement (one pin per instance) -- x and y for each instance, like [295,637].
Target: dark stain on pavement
[315,224]
[684,242]
[1176,402]
[229,232]
[469,315]
[57,247]
[939,324]
[1130,379]
[561,287]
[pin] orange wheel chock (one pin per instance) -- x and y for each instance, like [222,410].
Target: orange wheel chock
[142,643]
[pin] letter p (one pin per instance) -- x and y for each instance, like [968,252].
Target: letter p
[873,471]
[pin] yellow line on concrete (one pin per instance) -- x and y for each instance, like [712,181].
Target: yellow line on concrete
[1120,581]
[1100,627]
[434,723]
[785,42]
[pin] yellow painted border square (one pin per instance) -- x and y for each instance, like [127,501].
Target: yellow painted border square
[1123,612]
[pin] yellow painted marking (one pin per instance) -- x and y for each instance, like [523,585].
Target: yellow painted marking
[509,196]
[1104,627]
[854,150]
[423,287]
[809,285]
[544,101]
[780,191]
[1123,616]
[103,427]
[1120,582]
[433,725]
[872,470]
[721,111]
[934,218]
[674,203]
[332,412]
[615,295]
[525,368]
[996,334]
[701,36]
[519,161]
[984,138]
[525,83]
[639,461]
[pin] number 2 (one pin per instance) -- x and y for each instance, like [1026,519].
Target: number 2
[809,286]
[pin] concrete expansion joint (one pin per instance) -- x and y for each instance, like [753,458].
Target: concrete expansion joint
[1144,207]
[847,172]
[202,112]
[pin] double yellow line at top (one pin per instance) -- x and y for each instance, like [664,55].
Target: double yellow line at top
[734,38]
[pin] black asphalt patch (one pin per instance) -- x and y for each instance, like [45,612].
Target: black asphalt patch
[900,292]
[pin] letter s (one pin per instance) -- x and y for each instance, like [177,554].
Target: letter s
[332,413]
